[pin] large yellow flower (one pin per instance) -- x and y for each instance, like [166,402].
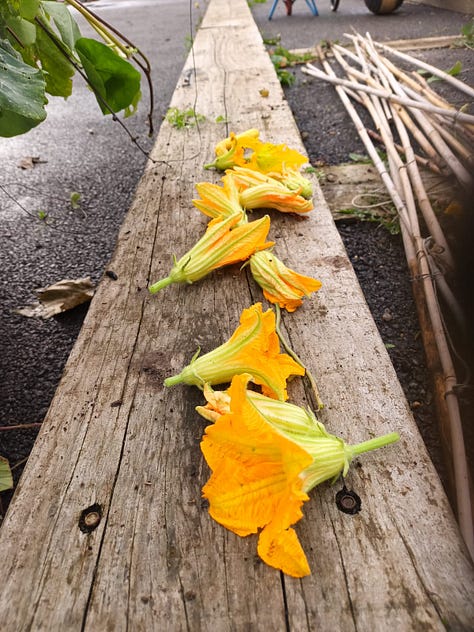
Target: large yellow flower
[280,284]
[268,157]
[253,348]
[258,190]
[246,149]
[255,482]
[265,456]
[225,242]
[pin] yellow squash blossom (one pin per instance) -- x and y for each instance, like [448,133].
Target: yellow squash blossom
[265,457]
[280,284]
[268,157]
[294,181]
[219,202]
[253,348]
[262,191]
[246,149]
[231,150]
[255,482]
[224,243]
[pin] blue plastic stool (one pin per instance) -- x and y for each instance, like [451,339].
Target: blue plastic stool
[310,4]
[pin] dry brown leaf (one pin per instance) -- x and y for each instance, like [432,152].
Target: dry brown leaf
[59,297]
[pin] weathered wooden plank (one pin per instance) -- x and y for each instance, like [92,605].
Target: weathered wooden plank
[115,437]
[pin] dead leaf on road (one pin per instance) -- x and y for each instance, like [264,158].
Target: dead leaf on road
[28,162]
[59,297]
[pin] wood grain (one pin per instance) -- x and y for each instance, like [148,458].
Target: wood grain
[116,438]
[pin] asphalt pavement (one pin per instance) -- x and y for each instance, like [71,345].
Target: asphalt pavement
[43,239]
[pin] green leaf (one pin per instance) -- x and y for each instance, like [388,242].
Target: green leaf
[6,479]
[75,198]
[64,22]
[362,158]
[29,8]
[22,97]
[25,31]
[113,78]
[58,70]
[455,70]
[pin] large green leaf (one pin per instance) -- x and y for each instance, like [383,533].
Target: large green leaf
[6,479]
[111,76]
[22,96]
[58,70]
[65,23]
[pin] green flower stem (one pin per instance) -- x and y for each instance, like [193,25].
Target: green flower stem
[106,35]
[374,444]
[159,285]
[173,380]
[292,354]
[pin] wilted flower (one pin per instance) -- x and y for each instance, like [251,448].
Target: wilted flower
[224,242]
[246,149]
[231,150]
[258,190]
[269,158]
[294,181]
[219,202]
[280,284]
[253,348]
[265,456]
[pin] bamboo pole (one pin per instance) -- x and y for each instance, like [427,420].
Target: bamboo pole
[424,162]
[432,69]
[418,135]
[309,69]
[418,264]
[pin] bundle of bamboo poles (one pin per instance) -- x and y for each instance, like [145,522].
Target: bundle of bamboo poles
[407,112]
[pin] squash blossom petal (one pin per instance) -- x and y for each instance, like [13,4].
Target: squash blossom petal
[264,157]
[219,202]
[258,190]
[255,482]
[224,243]
[280,284]
[268,157]
[231,150]
[253,348]
[258,451]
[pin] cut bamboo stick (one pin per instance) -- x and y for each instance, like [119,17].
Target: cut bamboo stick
[403,184]
[384,94]
[432,69]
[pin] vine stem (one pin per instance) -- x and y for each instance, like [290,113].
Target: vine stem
[295,357]
[20,426]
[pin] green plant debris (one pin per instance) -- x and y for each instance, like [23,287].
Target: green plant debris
[360,158]
[282,58]
[467,34]
[221,119]
[385,216]
[183,118]
[272,41]
[75,200]
[42,215]
[285,77]
[454,71]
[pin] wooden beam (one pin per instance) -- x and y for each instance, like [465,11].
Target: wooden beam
[107,530]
